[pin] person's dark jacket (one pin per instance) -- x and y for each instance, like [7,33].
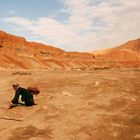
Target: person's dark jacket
[26,96]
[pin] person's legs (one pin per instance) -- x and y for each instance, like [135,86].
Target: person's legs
[29,102]
[12,105]
[15,105]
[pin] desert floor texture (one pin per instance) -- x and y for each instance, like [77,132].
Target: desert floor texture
[73,105]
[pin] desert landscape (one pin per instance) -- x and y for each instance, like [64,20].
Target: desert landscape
[85,96]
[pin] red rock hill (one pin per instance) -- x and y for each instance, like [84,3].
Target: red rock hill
[17,53]
[126,55]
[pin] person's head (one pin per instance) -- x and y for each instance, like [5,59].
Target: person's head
[34,90]
[15,85]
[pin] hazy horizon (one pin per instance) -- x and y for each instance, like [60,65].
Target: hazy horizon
[71,25]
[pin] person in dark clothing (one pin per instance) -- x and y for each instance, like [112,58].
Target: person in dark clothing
[22,97]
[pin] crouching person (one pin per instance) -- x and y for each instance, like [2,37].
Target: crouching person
[22,97]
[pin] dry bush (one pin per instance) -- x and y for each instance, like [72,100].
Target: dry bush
[21,73]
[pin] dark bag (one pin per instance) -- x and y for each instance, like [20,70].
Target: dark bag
[34,90]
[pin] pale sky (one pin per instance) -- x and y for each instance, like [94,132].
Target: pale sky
[72,25]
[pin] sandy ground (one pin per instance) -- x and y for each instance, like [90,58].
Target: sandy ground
[73,105]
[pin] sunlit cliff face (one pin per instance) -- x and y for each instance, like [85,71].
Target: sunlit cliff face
[16,52]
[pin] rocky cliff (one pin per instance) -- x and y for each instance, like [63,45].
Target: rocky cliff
[16,53]
[125,55]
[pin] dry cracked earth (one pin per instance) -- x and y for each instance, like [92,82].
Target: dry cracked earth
[73,105]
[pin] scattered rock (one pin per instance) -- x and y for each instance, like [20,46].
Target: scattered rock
[115,134]
[21,73]
[134,100]
[137,136]
[96,83]
[65,93]
[44,107]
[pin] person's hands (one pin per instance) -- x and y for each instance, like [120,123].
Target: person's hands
[11,105]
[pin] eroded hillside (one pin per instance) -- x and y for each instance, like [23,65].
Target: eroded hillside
[16,52]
